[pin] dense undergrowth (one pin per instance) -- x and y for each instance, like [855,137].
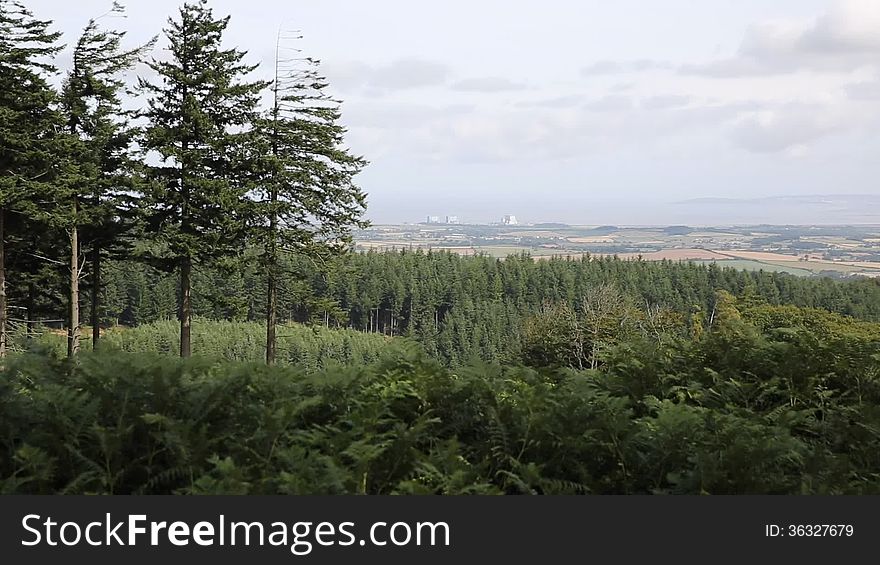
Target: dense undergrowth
[771,400]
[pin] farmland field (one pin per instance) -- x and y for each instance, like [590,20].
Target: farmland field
[843,251]
[746,265]
[761,256]
[677,255]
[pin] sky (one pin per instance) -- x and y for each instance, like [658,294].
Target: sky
[578,111]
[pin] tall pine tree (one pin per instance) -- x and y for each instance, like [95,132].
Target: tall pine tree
[198,112]
[305,196]
[96,192]
[28,122]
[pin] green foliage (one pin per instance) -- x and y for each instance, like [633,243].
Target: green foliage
[27,118]
[639,377]
[309,348]
[465,308]
[98,144]
[196,110]
[562,336]
[304,196]
[678,416]
[28,123]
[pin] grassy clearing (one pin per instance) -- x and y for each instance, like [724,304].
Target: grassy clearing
[307,347]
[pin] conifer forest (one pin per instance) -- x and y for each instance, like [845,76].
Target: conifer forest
[182,312]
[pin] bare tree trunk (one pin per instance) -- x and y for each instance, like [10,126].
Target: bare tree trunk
[3,335]
[271,317]
[272,275]
[73,332]
[31,305]
[186,307]
[96,296]
[271,272]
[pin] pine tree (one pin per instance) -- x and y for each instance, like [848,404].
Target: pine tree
[27,121]
[198,112]
[98,190]
[305,198]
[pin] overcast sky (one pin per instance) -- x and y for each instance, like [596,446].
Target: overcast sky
[584,111]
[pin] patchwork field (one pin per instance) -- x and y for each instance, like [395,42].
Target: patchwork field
[676,255]
[761,256]
[840,252]
[598,239]
[746,265]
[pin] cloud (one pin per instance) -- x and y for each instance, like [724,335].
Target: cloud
[735,67]
[401,116]
[610,103]
[853,26]
[603,68]
[401,74]
[600,68]
[556,102]
[863,91]
[409,73]
[488,84]
[622,87]
[665,102]
[789,128]
[845,38]
[546,130]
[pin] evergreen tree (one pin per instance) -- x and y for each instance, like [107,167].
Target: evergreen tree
[98,190]
[27,121]
[305,199]
[198,112]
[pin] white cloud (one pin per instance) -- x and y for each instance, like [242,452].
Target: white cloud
[665,102]
[607,67]
[401,74]
[488,84]
[610,103]
[567,101]
[864,91]
[399,116]
[789,128]
[852,26]
[845,38]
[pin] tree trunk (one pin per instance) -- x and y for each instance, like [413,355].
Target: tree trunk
[96,296]
[30,323]
[2,282]
[272,275]
[271,304]
[186,307]
[73,333]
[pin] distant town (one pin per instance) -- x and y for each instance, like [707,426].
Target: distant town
[453,220]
